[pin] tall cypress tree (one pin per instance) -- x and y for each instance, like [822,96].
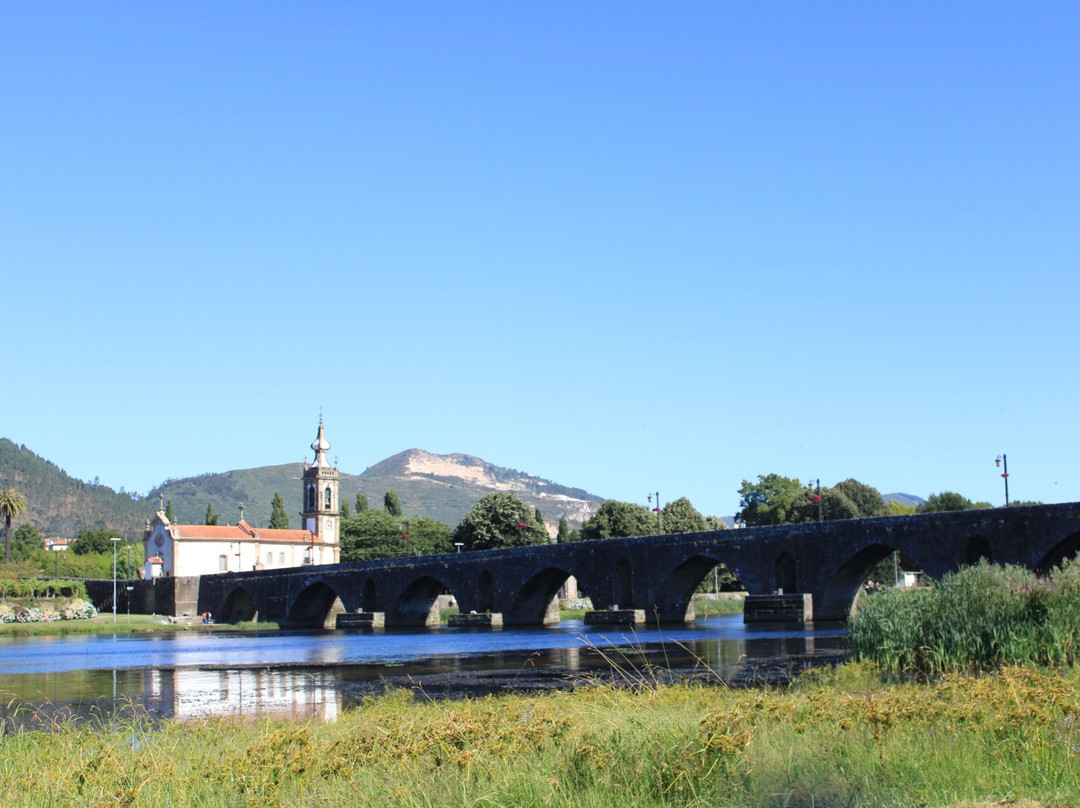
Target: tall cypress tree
[392,503]
[211,517]
[168,511]
[564,531]
[279,519]
[361,503]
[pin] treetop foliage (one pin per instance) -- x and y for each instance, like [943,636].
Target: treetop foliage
[392,503]
[500,520]
[618,520]
[279,519]
[370,535]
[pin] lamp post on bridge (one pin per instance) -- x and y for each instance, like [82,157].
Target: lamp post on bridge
[114,540]
[659,526]
[816,496]
[999,461]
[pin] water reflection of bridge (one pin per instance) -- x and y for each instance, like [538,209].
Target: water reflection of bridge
[196,693]
[829,561]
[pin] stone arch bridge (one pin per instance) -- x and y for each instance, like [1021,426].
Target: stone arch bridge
[658,574]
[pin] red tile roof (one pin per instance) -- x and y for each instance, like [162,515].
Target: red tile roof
[242,532]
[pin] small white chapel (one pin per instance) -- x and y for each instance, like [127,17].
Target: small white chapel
[181,550]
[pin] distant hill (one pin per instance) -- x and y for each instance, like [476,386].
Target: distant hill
[59,504]
[905,499]
[442,487]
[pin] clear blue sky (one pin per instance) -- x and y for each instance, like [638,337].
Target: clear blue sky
[624,246]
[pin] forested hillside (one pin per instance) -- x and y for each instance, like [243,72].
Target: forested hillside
[440,487]
[59,504]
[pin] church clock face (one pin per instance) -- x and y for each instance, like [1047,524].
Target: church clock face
[328,530]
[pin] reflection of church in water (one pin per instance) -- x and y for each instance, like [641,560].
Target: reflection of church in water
[180,550]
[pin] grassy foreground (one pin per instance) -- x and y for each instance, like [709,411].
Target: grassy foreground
[838,738]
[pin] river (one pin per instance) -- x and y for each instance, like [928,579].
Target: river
[197,674]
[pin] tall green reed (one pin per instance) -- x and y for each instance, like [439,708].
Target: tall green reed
[982,617]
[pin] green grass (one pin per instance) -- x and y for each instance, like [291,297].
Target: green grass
[136,623]
[839,738]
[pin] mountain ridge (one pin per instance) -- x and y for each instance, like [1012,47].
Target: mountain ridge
[441,487]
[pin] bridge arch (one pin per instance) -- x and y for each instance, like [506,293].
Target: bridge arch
[485,591]
[417,604]
[238,607]
[537,602]
[367,595]
[622,585]
[316,607]
[785,573]
[976,549]
[1066,548]
[675,599]
[842,590]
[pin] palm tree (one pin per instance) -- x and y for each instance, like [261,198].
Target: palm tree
[12,504]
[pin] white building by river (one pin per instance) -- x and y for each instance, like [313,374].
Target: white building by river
[206,549]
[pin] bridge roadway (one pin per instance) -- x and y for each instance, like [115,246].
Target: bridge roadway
[828,560]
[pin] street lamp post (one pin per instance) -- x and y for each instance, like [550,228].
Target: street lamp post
[659,527]
[1000,461]
[114,540]
[459,545]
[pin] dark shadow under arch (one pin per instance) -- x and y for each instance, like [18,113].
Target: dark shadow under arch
[785,573]
[239,607]
[977,549]
[485,591]
[1067,548]
[841,592]
[316,607]
[675,599]
[367,596]
[416,605]
[622,586]
[538,601]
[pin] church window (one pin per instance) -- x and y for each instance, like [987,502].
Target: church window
[223,563]
[327,506]
[311,498]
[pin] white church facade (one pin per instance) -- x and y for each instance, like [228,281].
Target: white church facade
[182,550]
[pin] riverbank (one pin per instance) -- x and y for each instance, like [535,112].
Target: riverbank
[836,737]
[125,624]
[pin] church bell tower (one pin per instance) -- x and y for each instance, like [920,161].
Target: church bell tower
[322,508]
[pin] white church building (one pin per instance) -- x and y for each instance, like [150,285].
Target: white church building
[181,550]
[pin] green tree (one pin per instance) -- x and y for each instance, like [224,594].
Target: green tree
[766,502]
[946,501]
[898,508]
[279,519]
[429,536]
[370,535]
[682,517]
[361,502]
[168,511]
[392,503]
[12,503]
[27,542]
[617,520]
[564,531]
[90,542]
[715,523]
[211,517]
[869,504]
[834,504]
[499,520]
[344,509]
